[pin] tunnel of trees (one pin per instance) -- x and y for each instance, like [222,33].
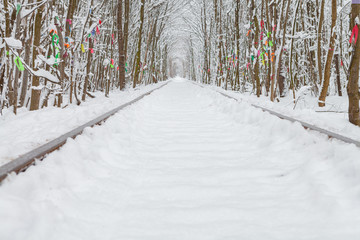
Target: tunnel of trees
[60,52]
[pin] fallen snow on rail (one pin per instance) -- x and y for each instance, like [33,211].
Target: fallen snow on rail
[29,130]
[333,117]
[188,163]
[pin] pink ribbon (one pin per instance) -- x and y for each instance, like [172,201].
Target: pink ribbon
[355,33]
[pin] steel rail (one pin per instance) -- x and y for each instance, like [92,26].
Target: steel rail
[21,163]
[306,125]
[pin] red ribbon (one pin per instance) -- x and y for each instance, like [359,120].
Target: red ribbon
[355,33]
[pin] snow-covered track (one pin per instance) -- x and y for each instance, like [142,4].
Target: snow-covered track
[21,163]
[306,125]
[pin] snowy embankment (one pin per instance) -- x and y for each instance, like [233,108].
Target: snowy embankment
[188,163]
[28,130]
[333,117]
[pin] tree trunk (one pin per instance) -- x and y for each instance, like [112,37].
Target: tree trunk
[327,72]
[257,64]
[237,39]
[338,81]
[126,27]
[88,66]
[138,53]
[25,81]
[319,38]
[353,81]
[273,17]
[292,83]
[121,47]
[35,93]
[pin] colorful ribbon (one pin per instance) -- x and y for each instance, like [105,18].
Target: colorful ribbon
[53,39]
[355,33]
[19,64]
[274,28]
[18,7]
[57,51]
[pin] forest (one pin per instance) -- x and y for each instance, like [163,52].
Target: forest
[179,119]
[55,53]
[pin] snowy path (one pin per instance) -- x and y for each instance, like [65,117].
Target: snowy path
[187,163]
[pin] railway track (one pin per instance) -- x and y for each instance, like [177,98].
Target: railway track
[21,163]
[306,125]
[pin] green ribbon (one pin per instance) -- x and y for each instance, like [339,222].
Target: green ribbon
[262,55]
[53,39]
[19,64]
[57,56]
[18,7]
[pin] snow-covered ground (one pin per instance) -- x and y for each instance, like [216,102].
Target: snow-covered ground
[332,117]
[188,163]
[27,130]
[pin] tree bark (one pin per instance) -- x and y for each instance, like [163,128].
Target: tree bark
[353,81]
[329,59]
[338,80]
[25,81]
[35,93]
[126,26]
[319,38]
[121,47]
[138,53]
